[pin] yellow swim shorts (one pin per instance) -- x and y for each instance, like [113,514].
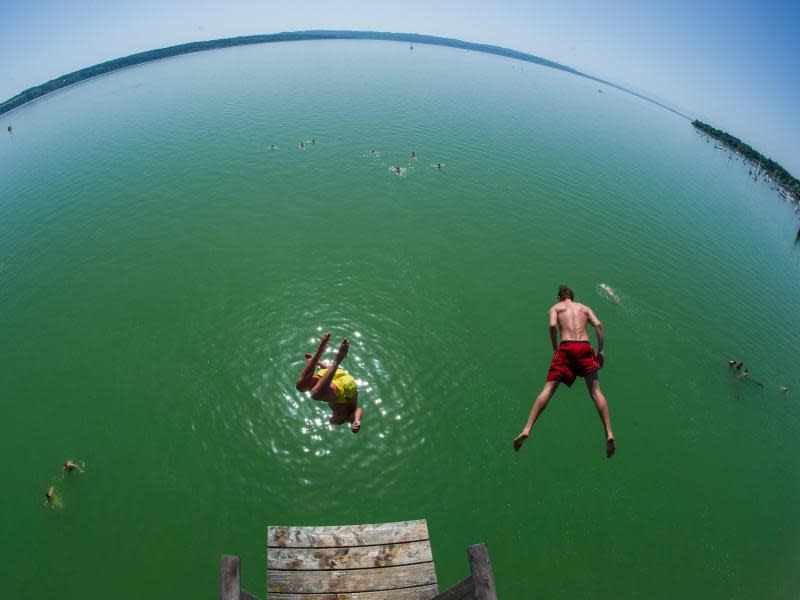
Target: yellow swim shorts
[344,383]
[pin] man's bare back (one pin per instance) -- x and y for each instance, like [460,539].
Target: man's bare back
[572,318]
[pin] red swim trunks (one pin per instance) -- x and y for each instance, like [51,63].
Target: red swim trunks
[572,359]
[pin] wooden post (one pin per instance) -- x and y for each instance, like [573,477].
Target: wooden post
[481,572]
[229,584]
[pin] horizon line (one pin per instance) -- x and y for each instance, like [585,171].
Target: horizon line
[67,80]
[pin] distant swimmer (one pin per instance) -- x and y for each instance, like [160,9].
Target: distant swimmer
[573,357]
[71,466]
[372,150]
[746,375]
[9,127]
[397,170]
[439,166]
[313,141]
[48,495]
[413,155]
[332,385]
[784,389]
[272,147]
[302,145]
[610,293]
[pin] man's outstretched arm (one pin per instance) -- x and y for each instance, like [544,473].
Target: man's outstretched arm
[553,330]
[357,420]
[598,327]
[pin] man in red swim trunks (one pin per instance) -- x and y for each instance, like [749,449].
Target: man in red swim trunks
[573,357]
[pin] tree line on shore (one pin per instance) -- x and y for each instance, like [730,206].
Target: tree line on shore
[143,57]
[769,166]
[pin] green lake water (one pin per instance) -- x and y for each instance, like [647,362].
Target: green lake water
[162,273]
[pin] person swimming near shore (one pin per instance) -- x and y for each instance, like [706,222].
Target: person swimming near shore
[272,147]
[413,155]
[313,141]
[331,384]
[573,357]
[397,170]
[438,166]
[610,293]
[49,495]
[71,466]
[302,146]
[784,389]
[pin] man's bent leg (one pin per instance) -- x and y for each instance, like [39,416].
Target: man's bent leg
[306,379]
[323,389]
[593,384]
[538,406]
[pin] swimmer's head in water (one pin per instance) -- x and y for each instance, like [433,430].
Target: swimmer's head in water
[565,293]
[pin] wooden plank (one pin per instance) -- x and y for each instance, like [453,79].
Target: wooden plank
[423,592]
[463,590]
[347,535]
[356,557]
[354,580]
[229,587]
[481,570]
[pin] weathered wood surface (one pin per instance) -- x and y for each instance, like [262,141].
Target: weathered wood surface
[356,557]
[463,590]
[353,580]
[347,535]
[424,592]
[481,570]
[229,586]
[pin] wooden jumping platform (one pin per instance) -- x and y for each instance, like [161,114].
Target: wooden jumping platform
[383,561]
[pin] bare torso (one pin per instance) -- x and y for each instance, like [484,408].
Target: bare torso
[572,320]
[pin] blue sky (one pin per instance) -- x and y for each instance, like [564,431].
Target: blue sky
[733,63]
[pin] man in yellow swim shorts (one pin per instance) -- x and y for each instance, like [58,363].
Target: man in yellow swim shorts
[332,385]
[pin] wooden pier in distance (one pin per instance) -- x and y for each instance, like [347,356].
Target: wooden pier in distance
[383,561]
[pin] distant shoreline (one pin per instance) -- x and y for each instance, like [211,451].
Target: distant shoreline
[789,186]
[776,172]
[117,64]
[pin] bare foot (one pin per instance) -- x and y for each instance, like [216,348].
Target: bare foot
[611,446]
[340,356]
[323,342]
[519,440]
